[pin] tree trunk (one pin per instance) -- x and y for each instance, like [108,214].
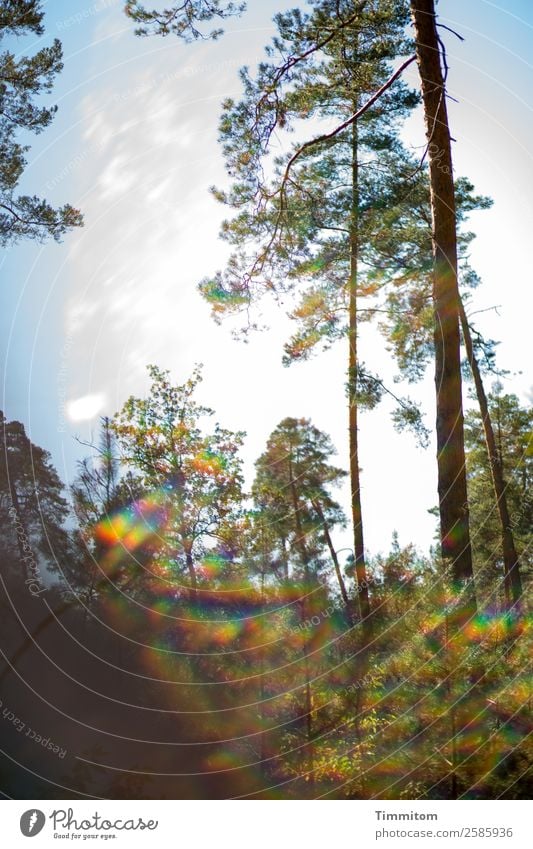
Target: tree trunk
[310,746]
[511,563]
[285,560]
[360,741]
[355,482]
[304,555]
[300,536]
[348,602]
[109,463]
[192,573]
[453,501]
[263,750]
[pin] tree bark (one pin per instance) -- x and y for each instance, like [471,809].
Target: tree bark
[511,563]
[355,481]
[453,500]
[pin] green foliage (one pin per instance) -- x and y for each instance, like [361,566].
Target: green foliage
[181,19]
[194,477]
[403,267]
[23,81]
[291,492]
[248,655]
[513,428]
[297,215]
[292,212]
[430,714]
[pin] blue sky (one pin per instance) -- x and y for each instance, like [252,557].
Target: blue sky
[134,145]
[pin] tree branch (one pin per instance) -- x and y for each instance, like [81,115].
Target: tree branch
[349,121]
[319,140]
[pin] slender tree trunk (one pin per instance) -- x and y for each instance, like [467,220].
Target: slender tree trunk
[348,602]
[454,787]
[285,560]
[304,555]
[109,463]
[263,755]
[192,573]
[361,658]
[300,536]
[511,563]
[357,513]
[453,501]
[310,747]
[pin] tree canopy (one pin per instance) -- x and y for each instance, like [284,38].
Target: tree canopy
[23,82]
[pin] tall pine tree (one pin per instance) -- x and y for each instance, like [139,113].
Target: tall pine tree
[304,221]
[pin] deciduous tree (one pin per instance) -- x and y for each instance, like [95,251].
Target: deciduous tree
[195,476]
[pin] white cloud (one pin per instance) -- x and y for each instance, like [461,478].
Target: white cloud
[86,408]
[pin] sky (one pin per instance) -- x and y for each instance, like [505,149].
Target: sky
[134,145]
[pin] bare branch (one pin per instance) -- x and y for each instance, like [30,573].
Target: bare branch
[443,26]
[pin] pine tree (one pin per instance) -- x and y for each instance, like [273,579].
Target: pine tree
[291,492]
[403,257]
[23,81]
[511,563]
[307,226]
[35,549]
[453,498]
[32,506]
[512,426]
[291,485]
[183,19]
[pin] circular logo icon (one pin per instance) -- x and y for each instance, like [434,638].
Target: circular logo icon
[32,822]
